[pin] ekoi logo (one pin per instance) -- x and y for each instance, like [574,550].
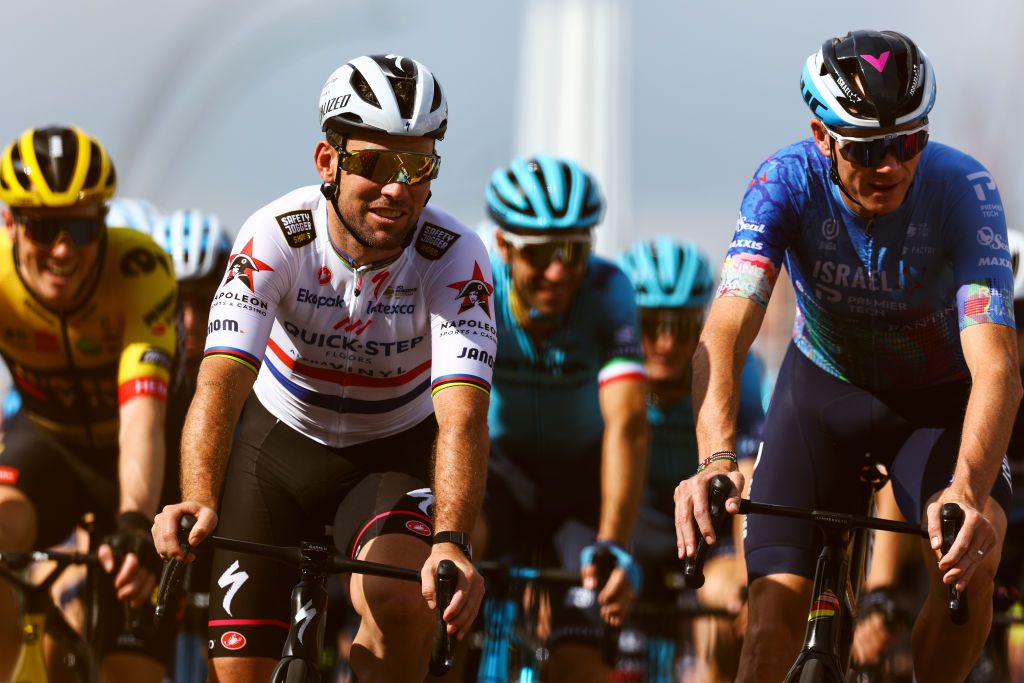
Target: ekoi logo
[232,640]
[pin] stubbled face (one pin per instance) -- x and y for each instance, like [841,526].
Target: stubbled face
[547,288]
[55,274]
[880,190]
[381,216]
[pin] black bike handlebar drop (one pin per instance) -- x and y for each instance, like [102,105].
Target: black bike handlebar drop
[952,520]
[693,567]
[604,563]
[442,652]
[174,570]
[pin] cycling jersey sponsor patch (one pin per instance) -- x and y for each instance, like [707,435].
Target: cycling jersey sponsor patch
[9,475]
[297,227]
[156,357]
[417,527]
[474,291]
[434,241]
[243,265]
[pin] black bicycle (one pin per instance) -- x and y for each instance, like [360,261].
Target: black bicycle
[300,656]
[825,655]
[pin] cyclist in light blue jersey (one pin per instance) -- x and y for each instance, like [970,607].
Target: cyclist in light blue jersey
[567,427]
[903,347]
[674,285]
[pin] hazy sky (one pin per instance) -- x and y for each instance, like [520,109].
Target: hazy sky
[214,104]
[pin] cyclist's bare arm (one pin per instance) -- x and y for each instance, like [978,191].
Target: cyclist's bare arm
[732,325]
[991,354]
[142,453]
[460,474]
[623,457]
[221,390]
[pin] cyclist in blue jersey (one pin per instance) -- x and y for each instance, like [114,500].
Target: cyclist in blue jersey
[674,285]
[567,427]
[903,347]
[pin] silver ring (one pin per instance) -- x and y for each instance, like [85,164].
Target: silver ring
[981,553]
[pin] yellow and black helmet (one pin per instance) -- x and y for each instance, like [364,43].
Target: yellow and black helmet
[55,167]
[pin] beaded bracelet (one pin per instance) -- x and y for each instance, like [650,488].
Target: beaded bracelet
[716,456]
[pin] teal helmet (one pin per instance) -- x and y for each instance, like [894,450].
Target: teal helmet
[544,193]
[668,273]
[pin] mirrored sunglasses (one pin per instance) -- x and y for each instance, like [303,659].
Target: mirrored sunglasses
[870,151]
[539,251]
[679,323]
[46,231]
[384,166]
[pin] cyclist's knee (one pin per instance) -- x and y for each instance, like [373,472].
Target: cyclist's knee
[18,521]
[395,607]
[776,603]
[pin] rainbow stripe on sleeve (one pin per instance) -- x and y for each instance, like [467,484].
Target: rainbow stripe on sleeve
[460,381]
[238,355]
[621,368]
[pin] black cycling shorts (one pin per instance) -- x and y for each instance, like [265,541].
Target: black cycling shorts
[817,432]
[282,488]
[63,484]
[542,508]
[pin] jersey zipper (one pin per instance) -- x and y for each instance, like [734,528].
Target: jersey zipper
[80,394]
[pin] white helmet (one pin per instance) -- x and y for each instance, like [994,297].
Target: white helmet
[1015,239]
[139,214]
[196,242]
[384,94]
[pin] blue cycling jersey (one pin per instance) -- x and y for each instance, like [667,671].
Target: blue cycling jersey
[674,454]
[544,399]
[880,302]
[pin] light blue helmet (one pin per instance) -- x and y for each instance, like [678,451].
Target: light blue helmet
[196,241]
[544,193]
[668,274]
[125,212]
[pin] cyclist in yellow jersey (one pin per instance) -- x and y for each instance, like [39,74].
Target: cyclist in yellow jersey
[87,332]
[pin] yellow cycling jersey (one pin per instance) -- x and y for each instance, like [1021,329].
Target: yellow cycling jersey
[75,368]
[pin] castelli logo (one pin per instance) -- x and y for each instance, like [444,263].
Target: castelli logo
[9,475]
[417,527]
[324,275]
[232,640]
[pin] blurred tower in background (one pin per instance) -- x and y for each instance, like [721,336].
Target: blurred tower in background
[575,99]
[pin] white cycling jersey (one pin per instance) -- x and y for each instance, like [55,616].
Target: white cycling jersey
[345,354]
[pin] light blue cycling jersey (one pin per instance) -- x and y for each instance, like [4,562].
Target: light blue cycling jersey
[544,400]
[674,454]
[881,302]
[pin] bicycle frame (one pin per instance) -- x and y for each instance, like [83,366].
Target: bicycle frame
[42,615]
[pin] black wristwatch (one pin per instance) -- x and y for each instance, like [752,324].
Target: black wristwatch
[458,538]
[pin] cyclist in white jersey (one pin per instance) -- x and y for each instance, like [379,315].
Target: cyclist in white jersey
[359,315]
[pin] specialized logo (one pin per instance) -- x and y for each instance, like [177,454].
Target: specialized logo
[333,104]
[243,265]
[232,579]
[297,227]
[426,497]
[877,62]
[232,640]
[418,527]
[434,241]
[304,616]
[474,291]
[324,275]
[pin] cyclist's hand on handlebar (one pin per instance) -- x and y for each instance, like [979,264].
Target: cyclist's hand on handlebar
[129,555]
[691,498]
[165,528]
[619,592]
[976,534]
[469,591]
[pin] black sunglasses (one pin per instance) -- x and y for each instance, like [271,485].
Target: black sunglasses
[46,231]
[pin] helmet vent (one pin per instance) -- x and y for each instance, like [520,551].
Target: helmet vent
[92,177]
[19,169]
[363,89]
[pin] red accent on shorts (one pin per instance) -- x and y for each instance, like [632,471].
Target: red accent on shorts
[248,622]
[359,536]
[232,640]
